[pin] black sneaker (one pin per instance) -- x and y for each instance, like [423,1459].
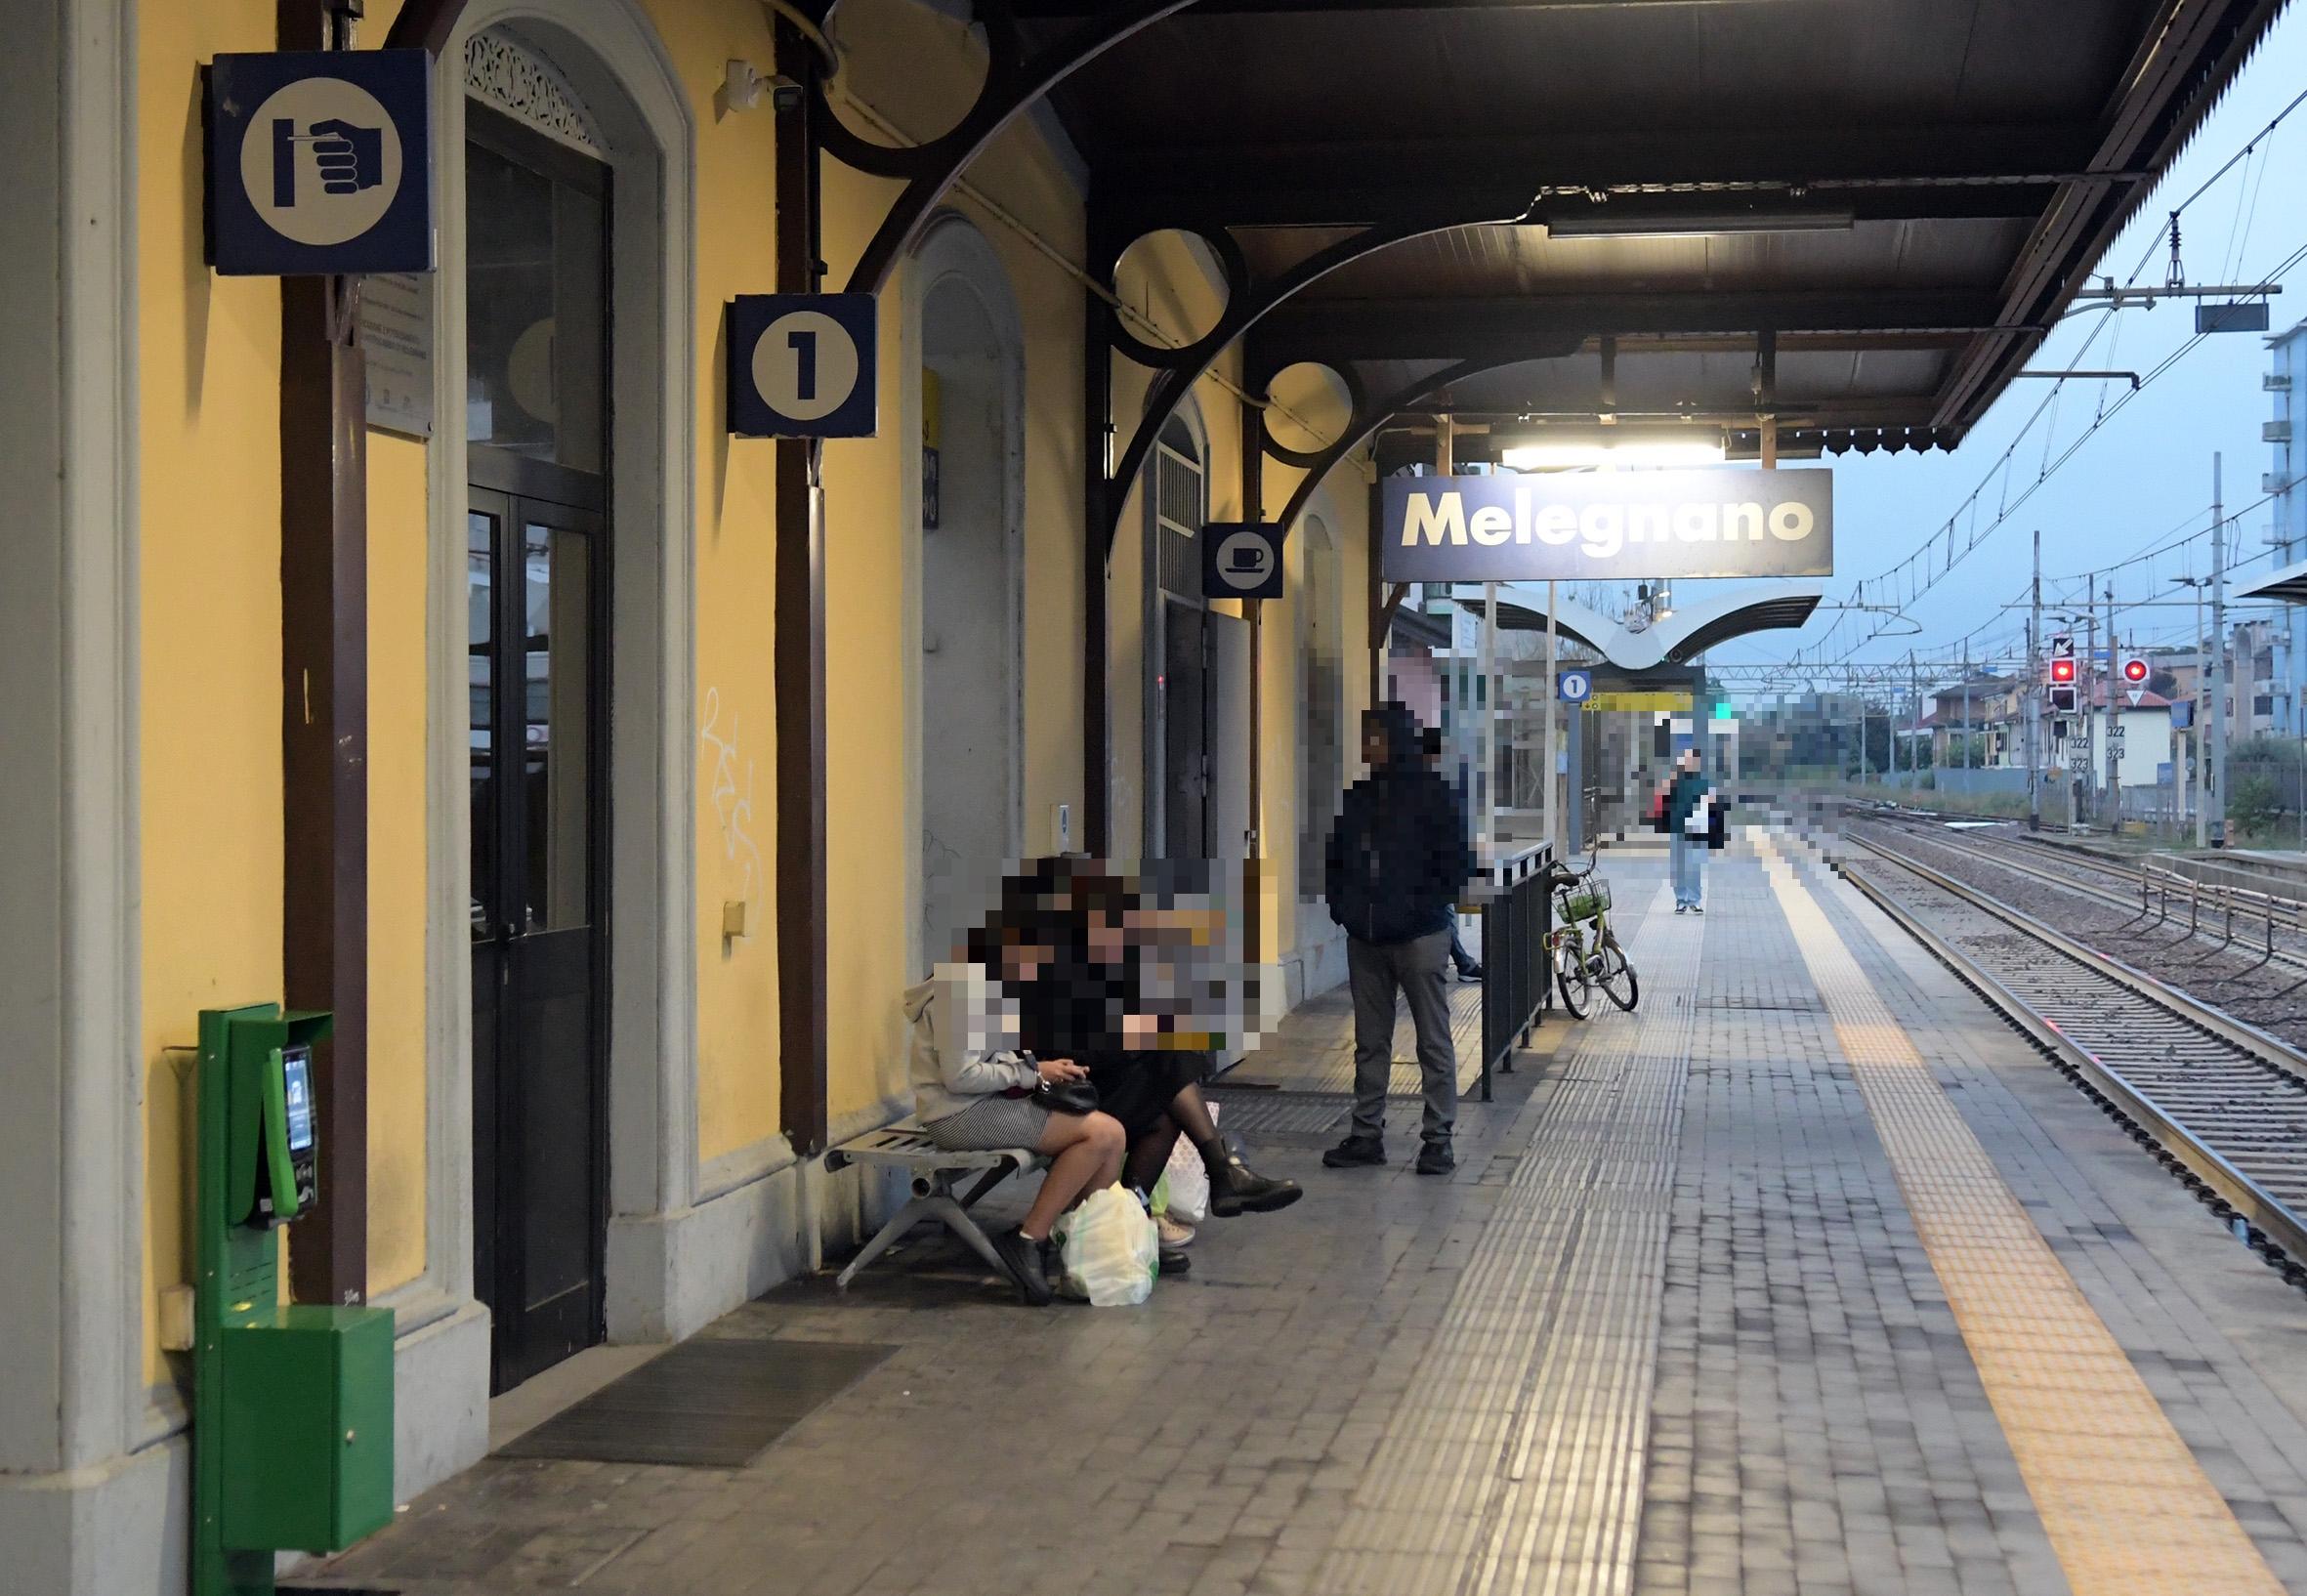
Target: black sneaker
[1028,1265]
[1174,1262]
[1436,1159]
[1472,972]
[1354,1149]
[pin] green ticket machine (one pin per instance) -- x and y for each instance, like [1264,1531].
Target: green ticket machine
[292,1435]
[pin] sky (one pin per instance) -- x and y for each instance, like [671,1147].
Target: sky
[2144,479]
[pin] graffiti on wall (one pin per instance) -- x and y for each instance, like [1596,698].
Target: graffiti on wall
[733,794]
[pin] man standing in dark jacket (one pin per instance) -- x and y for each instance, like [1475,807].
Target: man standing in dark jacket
[1398,860]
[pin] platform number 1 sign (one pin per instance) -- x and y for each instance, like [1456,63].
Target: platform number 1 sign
[802,365]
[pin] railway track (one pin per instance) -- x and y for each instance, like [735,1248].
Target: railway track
[2108,883]
[2208,911]
[2222,1104]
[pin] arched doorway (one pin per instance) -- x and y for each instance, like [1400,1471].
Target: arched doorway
[538,337]
[966,582]
[562,491]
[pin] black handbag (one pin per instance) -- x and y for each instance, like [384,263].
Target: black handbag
[1066,1096]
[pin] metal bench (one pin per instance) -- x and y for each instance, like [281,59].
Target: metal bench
[934,1173]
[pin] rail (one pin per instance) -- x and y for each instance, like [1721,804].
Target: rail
[2168,1123]
[1516,915]
[2179,893]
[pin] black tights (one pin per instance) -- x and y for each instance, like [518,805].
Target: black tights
[1188,1114]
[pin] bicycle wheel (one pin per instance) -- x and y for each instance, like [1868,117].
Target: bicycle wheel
[1570,975]
[1617,977]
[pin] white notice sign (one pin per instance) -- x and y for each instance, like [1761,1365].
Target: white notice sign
[397,337]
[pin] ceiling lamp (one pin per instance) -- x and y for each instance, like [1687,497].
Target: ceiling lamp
[1612,221]
[1561,450]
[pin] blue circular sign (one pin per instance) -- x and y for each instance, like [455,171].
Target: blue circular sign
[1576,686]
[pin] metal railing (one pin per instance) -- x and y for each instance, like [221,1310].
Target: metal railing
[1516,918]
[2160,884]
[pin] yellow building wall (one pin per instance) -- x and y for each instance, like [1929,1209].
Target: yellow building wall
[916,70]
[733,741]
[397,1150]
[209,581]
[1343,504]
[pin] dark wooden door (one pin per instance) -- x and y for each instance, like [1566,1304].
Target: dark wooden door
[1185,731]
[536,584]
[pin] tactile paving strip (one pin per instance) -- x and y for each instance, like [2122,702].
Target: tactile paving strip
[1331,1068]
[2123,1501]
[1513,1459]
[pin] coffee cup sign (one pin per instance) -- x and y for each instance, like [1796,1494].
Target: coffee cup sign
[1716,522]
[1240,560]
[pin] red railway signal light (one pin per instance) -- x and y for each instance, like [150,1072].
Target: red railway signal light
[2135,671]
[2063,670]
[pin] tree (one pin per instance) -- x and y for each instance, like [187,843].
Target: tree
[2163,684]
[2253,804]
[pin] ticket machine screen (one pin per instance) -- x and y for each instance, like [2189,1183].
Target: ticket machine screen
[296,1069]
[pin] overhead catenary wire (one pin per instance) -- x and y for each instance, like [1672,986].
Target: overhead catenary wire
[2010,506]
[1919,563]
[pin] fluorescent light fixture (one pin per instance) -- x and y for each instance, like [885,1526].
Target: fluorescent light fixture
[1610,222]
[1561,453]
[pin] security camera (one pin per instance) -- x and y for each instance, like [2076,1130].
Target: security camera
[742,83]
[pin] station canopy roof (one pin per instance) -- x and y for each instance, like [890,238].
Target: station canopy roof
[2289,584]
[1859,216]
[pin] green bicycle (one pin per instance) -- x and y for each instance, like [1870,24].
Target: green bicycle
[1583,949]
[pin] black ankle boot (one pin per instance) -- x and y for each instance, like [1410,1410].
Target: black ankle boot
[1235,1187]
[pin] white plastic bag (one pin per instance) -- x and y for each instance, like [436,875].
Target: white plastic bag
[1109,1249]
[1188,1180]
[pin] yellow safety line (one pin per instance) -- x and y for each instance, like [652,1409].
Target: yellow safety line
[2126,1506]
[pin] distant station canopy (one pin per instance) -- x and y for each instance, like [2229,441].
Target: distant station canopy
[2289,584]
[1671,640]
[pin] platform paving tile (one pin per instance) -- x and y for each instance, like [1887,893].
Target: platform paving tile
[1207,1443]
[1817,1425]
[2063,1159]
[1814,1423]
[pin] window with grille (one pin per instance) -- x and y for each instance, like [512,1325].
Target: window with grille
[1177,513]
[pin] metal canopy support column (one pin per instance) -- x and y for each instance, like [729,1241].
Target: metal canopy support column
[798,656]
[324,717]
[1097,550]
[1253,508]
[1549,700]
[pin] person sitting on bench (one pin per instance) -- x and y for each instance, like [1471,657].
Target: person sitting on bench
[971,1090]
[1087,1003]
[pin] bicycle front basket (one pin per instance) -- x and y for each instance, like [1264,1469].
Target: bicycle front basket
[1587,903]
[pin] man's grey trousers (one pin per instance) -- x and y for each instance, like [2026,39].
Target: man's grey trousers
[1419,969]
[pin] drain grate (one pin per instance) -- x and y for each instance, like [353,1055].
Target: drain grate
[1279,1115]
[711,1404]
[1271,1118]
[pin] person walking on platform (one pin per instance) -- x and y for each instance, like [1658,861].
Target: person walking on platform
[1396,860]
[1693,820]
